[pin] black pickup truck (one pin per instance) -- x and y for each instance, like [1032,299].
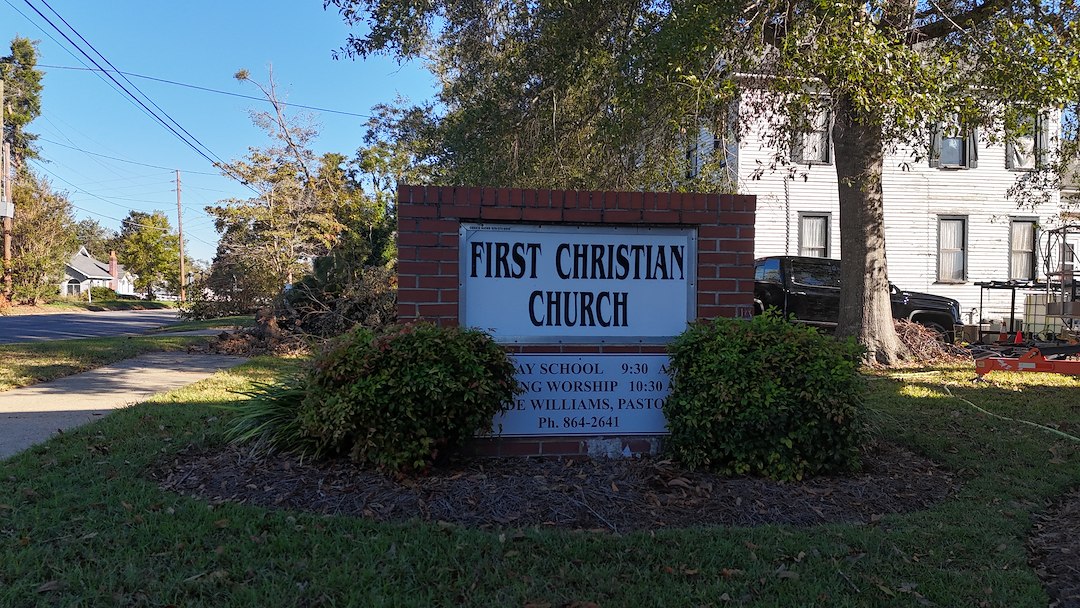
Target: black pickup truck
[808,289]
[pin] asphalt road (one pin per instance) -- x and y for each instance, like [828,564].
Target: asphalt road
[34,328]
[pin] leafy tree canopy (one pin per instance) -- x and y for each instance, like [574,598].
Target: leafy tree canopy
[611,94]
[22,97]
[98,240]
[290,220]
[43,238]
[305,206]
[150,249]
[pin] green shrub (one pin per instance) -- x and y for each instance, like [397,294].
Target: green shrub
[269,419]
[102,293]
[765,397]
[400,399]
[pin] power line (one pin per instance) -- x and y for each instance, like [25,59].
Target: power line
[122,221]
[109,199]
[41,166]
[194,143]
[210,90]
[53,38]
[112,82]
[109,75]
[111,168]
[127,80]
[209,190]
[127,221]
[123,160]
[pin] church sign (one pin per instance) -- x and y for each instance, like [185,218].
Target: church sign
[584,290]
[577,284]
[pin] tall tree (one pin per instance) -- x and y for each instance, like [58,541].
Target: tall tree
[397,150]
[366,217]
[43,238]
[291,220]
[150,249]
[626,79]
[22,98]
[98,240]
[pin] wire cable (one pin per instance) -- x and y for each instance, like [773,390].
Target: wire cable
[194,143]
[210,90]
[131,97]
[42,167]
[127,80]
[123,160]
[122,221]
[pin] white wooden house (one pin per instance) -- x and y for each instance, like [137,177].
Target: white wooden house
[83,271]
[948,223]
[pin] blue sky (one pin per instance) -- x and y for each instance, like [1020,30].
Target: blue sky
[196,42]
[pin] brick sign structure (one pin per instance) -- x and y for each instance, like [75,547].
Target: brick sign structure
[584,289]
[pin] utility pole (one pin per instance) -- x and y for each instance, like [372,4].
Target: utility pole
[180,231]
[7,207]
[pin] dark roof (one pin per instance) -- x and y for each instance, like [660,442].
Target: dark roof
[85,264]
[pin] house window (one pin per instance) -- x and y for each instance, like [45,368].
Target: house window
[1028,147]
[952,249]
[953,147]
[814,147]
[814,235]
[1022,250]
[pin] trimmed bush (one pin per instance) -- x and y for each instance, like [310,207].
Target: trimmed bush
[400,399]
[102,293]
[765,397]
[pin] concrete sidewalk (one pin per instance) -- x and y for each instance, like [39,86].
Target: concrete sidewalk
[33,414]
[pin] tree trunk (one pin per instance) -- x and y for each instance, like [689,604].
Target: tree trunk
[865,306]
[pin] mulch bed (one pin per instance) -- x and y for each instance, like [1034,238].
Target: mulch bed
[619,496]
[1055,551]
[616,495]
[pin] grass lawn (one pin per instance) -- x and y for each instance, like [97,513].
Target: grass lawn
[60,306]
[222,322]
[99,305]
[28,363]
[81,525]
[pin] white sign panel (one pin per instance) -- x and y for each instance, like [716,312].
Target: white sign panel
[584,284]
[588,395]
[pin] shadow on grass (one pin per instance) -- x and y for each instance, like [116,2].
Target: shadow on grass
[81,525]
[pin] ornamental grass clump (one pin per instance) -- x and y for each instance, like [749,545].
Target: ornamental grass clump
[765,397]
[400,399]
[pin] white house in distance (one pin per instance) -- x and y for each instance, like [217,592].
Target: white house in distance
[948,223]
[83,271]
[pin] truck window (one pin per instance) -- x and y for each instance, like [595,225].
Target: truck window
[815,275]
[767,271]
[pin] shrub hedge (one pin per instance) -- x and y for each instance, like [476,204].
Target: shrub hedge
[765,397]
[399,399]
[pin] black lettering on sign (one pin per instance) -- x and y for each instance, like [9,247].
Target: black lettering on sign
[578,308]
[498,260]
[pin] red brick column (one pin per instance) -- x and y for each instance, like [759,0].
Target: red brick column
[428,222]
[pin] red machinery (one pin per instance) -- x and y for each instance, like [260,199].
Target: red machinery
[1045,358]
[1062,302]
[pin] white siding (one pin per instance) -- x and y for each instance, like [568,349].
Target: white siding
[780,199]
[916,195]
